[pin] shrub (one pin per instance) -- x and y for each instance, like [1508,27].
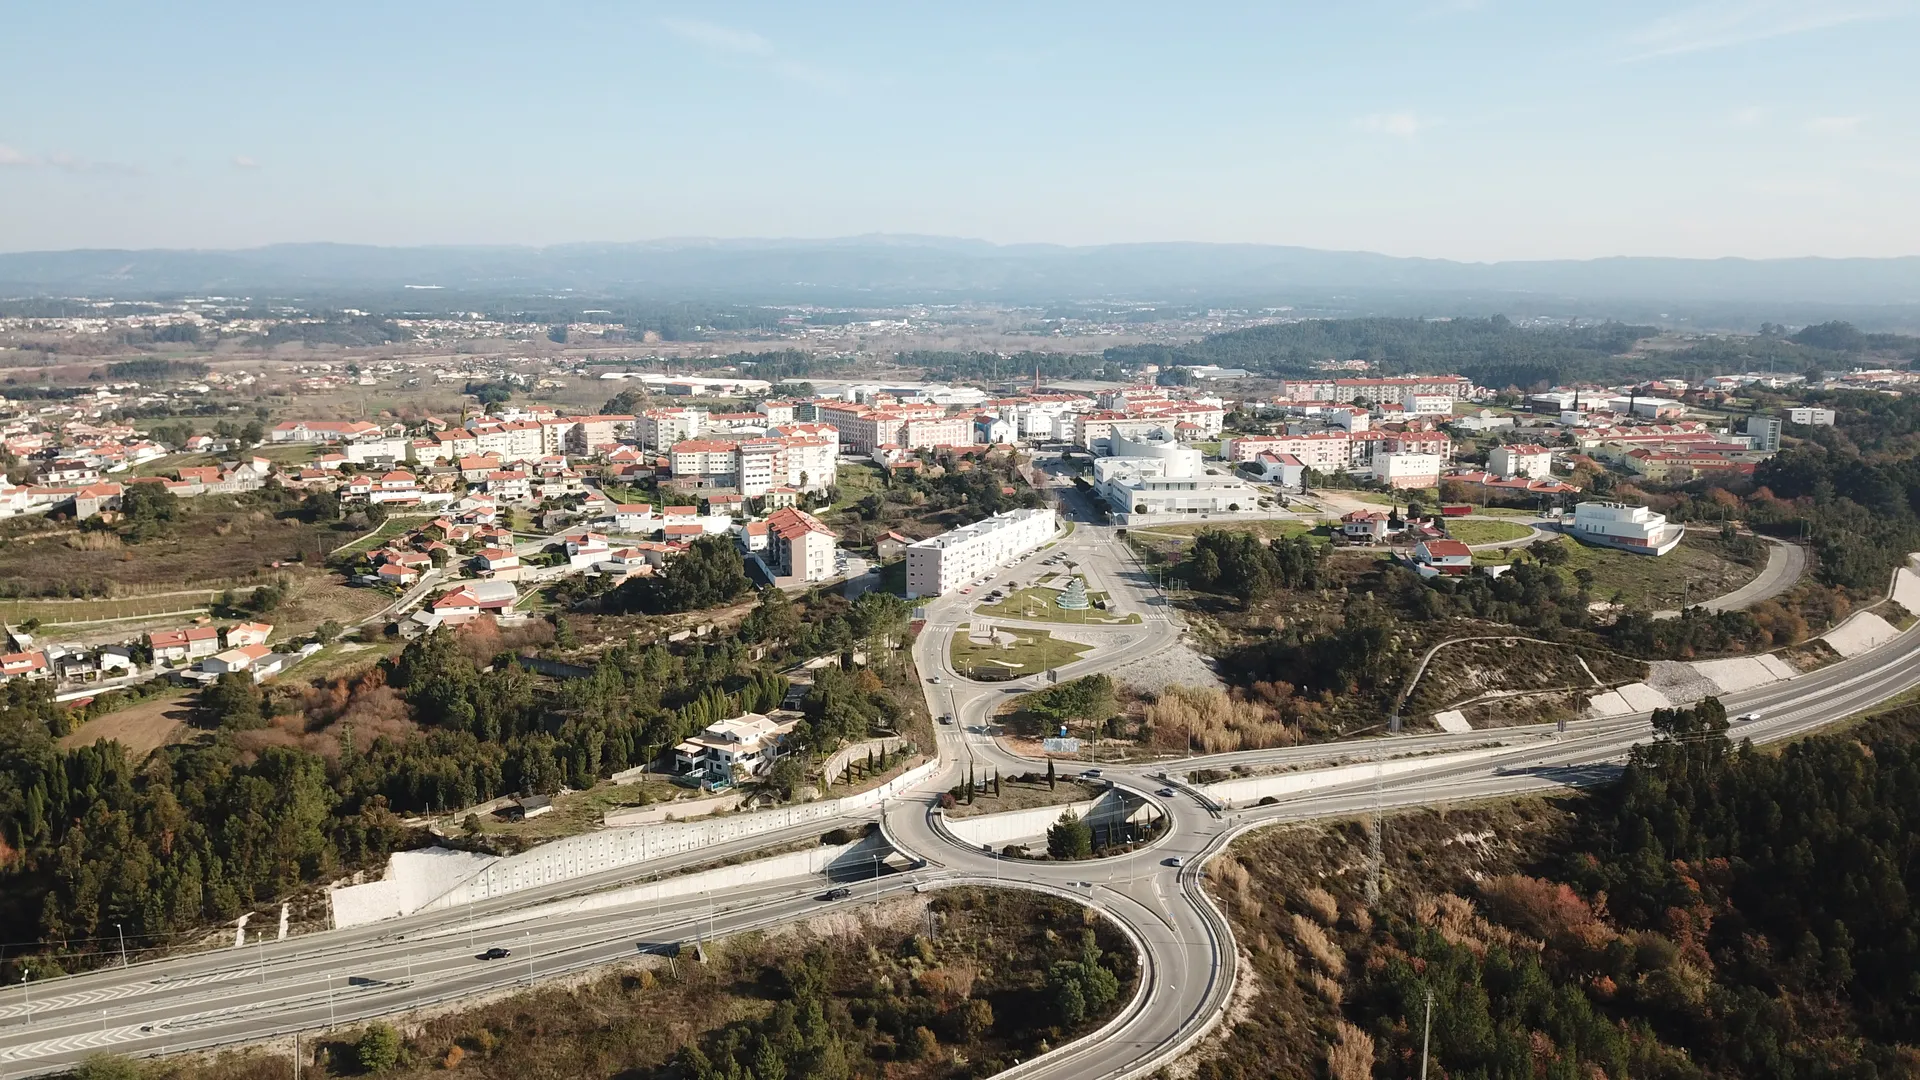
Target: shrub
[378,1048]
[1351,1055]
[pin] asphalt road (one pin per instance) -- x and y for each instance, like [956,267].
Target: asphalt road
[1187,954]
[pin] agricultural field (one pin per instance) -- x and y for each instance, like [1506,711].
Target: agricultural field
[214,543]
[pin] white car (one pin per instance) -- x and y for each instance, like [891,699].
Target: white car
[1746,718]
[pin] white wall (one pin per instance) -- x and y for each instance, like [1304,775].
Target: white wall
[1252,789]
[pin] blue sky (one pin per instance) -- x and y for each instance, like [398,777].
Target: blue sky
[1453,128]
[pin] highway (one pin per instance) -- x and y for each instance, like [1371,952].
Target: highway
[1187,956]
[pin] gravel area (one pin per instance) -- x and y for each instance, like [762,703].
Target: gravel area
[1176,665]
[1680,683]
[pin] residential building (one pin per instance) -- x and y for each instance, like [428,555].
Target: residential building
[248,633]
[1810,416]
[1624,526]
[239,659]
[1433,557]
[943,563]
[749,743]
[322,431]
[1343,391]
[1407,470]
[1521,459]
[182,646]
[1369,526]
[799,547]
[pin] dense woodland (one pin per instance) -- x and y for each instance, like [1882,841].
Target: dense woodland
[1716,912]
[285,791]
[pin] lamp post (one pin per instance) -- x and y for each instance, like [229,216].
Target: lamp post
[123,944]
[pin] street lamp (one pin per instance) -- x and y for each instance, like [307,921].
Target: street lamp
[123,944]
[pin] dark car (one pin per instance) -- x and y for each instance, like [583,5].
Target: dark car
[496,953]
[836,894]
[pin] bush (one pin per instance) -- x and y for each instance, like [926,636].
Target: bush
[378,1048]
[1070,838]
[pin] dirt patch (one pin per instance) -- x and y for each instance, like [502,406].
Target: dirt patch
[142,728]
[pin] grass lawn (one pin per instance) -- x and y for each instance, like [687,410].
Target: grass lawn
[856,482]
[583,811]
[1469,531]
[1696,570]
[388,530]
[1031,652]
[1038,603]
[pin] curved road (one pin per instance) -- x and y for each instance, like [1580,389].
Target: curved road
[1187,956]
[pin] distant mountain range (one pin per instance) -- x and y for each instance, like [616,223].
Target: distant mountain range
[886,268]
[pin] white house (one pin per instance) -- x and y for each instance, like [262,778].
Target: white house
[1530,460]
[749,743]
[1630,528]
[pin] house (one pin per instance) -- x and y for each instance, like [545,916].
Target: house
[728,504]
[1285,470]
[1365,526]
[527,806]
[749,743]
[117,658]
[680,515]
[496,559]
[633,518]
[585,548]
[779,497]
[248,633]
[24,665]
[239,659]
[510,484]
[470,601]
[891,546]
[1442,557]
[395,574]
[181,646]
[1625,526]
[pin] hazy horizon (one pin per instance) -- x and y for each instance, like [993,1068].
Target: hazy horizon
[1471,130]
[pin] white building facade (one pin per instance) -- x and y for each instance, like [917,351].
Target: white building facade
[940,564]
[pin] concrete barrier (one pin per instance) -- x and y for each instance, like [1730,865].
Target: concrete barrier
[1254,788]
[683,810]
[1108,808]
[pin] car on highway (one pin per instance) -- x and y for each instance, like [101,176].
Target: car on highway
[946,719]
[1166,793]
[837,894]
[935,680]
[1747,718]
[496,953]
[1090,774]
[1174,861]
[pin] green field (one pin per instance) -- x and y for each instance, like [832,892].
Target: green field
[1038,603]
[1697,570]
[1031,652]
[1272,530]
[1471,531]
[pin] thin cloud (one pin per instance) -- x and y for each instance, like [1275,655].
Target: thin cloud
[747,45]
[1725,23]
[14,157]
[1750,117]
[1403,125]
[242,161]
[1835,125]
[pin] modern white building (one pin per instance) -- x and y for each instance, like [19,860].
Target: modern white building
[1629,528]
[1148,475]
[940,564]
[1810,416]
[1765,432]
[749,743]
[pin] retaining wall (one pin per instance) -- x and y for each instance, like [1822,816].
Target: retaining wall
[609,849]
[1109,807]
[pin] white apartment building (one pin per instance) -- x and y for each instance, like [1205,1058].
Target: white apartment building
[1407,470]
[1630,528]
[754,466]
[661,428]
[1321,451]
[1456,387]
[1418,404]
[940,564]
[513,440]
[1521,459]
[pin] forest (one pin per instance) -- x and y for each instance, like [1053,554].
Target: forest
[1718,911]
[283,791]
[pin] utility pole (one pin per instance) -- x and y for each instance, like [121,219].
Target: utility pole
[123,944]
[1426,1036]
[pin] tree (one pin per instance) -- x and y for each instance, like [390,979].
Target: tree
[1070,838]
[234,702]
[378,1048]
[557,334]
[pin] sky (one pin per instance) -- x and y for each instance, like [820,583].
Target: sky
[1465,129]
